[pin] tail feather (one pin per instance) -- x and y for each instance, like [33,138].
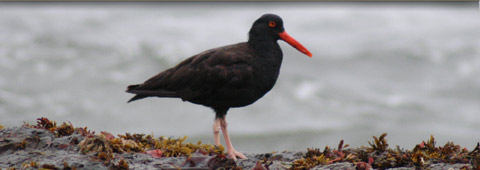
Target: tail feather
[132,87]
[136,97]
[140,94]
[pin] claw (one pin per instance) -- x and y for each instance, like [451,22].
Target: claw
[234,154]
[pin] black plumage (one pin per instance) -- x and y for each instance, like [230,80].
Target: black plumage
[230,76]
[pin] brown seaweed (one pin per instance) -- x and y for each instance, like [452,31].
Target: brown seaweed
[104,147]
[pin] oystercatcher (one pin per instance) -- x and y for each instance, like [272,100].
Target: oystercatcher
[225,77]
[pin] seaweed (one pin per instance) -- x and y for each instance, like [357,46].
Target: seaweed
[95,144]
[107,143]
[312,158]
[48,167]
[44,123]
[32,164]
[378,144]
[84,131]
[315,157]
[474,156]
[122,165]
[377,154]
[100,146]
[65,129]
[51,167]
[67,167]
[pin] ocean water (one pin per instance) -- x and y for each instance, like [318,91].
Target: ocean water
[410,70]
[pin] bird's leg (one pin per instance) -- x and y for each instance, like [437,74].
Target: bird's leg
[216,131]
[232,153]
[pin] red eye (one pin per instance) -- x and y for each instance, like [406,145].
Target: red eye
[272,24]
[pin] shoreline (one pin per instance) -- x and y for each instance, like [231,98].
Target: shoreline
[46,145]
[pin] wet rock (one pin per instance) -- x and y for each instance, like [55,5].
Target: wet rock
[342,166]
[33,148]
[450,166]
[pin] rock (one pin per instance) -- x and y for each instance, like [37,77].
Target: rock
[33,148]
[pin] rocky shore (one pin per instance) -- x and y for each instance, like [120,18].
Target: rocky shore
[48,146]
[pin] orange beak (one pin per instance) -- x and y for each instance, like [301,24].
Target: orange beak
[294,43]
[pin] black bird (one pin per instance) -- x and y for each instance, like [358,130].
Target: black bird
[230,76]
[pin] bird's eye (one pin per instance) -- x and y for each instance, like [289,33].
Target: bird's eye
[272,24]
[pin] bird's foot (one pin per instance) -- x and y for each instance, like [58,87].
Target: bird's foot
[233,154]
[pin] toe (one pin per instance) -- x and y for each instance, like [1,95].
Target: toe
[240,155]
[232,156]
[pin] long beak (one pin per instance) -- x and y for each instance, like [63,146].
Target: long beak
[294,43]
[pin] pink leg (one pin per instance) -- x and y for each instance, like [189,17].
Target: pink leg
[216,131]
[232,153]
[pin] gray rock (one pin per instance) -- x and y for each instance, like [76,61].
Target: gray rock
[20,145]
[337,166]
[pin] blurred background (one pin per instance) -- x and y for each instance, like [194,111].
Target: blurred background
[411,70]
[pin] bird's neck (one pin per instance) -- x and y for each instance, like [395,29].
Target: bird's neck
[264,45]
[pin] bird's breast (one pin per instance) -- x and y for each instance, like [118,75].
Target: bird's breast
[267,76]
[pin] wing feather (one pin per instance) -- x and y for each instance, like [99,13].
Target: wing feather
[205,75]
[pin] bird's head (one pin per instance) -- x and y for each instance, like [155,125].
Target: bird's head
[270,26]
